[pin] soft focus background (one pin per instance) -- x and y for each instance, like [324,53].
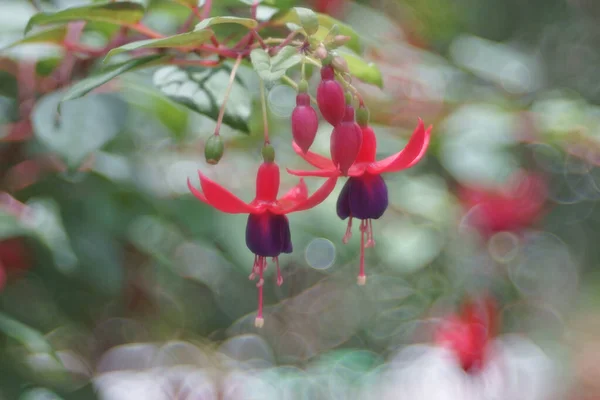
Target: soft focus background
[117,284]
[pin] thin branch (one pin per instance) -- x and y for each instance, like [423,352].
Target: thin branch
[263,102]
[238,61]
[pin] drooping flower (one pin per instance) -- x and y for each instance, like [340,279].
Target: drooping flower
[345,141]
[516,206]
[305,121]
[267,229]
[468,334]
[330,96]
[365,195]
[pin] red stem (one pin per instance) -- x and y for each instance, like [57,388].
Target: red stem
[143,29]
[201,63]
[206,9]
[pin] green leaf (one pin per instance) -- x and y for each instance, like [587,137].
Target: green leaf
[187,3]
[121,13]
[182,40]
[247,22]
[83,126]
[10,226]
[325,24]
[308,20]
[46,66]
[362,70]
[52,35]
[272,69]
[8,84]
[33,340]
[202,90]
[88,84]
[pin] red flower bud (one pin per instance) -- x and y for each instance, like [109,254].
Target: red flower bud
[345,143]
[305,122]
[330,97]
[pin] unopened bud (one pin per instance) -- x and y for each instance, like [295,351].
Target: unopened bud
[340,64]
[340,40]
[321,52]
[268,153]
[213,149]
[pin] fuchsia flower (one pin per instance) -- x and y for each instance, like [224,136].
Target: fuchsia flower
[469,334]
[517,205]
[365,195]
[267,229]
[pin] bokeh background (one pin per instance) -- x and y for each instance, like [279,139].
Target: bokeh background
[117,284]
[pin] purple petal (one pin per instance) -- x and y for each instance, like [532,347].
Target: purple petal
[343,202]
[368,197]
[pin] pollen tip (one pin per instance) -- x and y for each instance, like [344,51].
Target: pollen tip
[259,322]
[361,280]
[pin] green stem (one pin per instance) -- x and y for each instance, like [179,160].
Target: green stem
[238,61]
[263,102]
[293,84]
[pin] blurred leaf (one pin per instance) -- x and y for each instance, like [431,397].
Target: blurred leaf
[88,84]
[308,20]
[9,226]
[123,12]
[83,126]
[185,39]
[151,100]
[30,338]
[187,3]
[202,90]
[46,223]
[46,66]
[8,84]
[247,22]
[40,394]
[53,35]
[360,69]
[272,69]
[325,24]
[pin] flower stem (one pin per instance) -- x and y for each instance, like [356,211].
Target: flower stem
[293,84]
[263,102]
[144,30]
[238,61]
[206,9]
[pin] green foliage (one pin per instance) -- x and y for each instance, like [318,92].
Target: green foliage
[121,12]
[202,90]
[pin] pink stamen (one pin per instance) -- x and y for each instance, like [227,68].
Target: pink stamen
[370,239]
[348,234]
[362,278]
[259,320]
[279,277]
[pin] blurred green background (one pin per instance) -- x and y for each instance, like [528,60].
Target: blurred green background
[123,270]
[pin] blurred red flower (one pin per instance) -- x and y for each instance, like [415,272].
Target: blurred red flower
[13,258]
[517,205]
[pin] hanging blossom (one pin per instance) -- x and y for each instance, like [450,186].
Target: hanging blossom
[468,334]
[267,229]
[365,194]
[515,206]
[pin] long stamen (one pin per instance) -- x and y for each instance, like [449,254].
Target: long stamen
[362,278]
[279,277]
[348,234]
[259,320]
[254,269]
[370,239]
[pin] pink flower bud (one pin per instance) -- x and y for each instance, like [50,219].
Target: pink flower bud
[345,142]
[305,122]
[330,97]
